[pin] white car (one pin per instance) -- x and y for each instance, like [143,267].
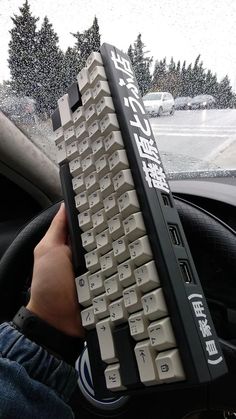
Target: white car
[157,103]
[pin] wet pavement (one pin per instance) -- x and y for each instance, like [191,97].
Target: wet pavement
[197,140]
[187,141]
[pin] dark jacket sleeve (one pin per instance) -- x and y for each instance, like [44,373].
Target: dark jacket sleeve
[33,383]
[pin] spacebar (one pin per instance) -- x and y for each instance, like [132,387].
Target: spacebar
[124,345]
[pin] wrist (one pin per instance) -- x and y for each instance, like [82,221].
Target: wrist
[68,326]
[39,331]
[43,315]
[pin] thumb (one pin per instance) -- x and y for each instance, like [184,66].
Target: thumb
[58,232]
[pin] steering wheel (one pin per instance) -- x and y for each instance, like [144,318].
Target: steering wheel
[213,247]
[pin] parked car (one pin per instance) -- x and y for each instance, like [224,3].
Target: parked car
[203,102]
[157,103]
[182,102]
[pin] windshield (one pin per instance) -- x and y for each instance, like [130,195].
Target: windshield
[152,96]
[175,50]
[182,99]
[203,97]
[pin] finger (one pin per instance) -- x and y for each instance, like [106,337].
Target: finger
[58,232]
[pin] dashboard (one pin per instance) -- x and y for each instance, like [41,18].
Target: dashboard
[214,194]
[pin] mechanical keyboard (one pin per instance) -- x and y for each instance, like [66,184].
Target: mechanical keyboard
[148,326]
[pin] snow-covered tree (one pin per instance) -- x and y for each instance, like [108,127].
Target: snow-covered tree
[173,78]
[183,71]
[22,51]
[225,97]
[87,42]
[159,76]
[49,69]
[130,53]
[197,77]
[189,80]
[95,35]
[211,84]
[141,65]
[71,67]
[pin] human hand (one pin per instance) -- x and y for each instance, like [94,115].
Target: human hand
[53,292]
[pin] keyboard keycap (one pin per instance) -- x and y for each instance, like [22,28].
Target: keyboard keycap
[106,341]
[145,356]
[113,378]
[154,306]
[161,334]
[169,366]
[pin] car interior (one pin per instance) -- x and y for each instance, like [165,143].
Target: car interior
[206,204]
[207,211]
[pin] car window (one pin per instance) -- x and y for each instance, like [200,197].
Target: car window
[152,96]
[44,46]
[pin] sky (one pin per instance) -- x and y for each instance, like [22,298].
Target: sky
[179,28]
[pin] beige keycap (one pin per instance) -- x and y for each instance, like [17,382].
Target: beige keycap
[169,366]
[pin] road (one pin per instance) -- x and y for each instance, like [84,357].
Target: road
[197,140]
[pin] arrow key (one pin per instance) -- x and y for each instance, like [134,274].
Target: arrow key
[106,342]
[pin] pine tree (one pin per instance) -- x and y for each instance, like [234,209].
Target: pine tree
[49,69]
[70,67]
[81,47]
[22,52]
[185,80]
[141,66]
[197,77]
[189,81]
[87,42]
[234,100]
[177,90]
[211,84]
[130,53]
[178,67]
[95,35]
[183,73]
[173,79]
[225,95]
[159,76]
